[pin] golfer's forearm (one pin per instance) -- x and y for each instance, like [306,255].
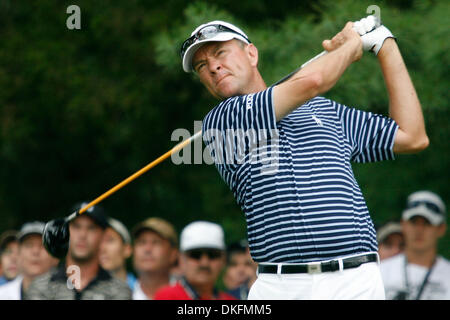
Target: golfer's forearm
[404,105]
[315,78]
[331,66]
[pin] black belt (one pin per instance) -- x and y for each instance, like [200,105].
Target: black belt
[318,267]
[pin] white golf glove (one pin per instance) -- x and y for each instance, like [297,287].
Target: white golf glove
[366,25]
[373,41]
[372,33]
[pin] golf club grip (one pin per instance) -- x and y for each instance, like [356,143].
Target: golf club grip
[137,174]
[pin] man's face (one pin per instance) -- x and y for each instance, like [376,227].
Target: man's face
[113,251]
[203,269]
[240,269]
[33,258]
[226,68]
[152,253]
[9,259]
[85,238]
[420,235]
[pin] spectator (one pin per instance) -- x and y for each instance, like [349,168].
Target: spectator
[33,260]
[419,273]
[202,259]
[240,272]
[81,277]
[115,249]
[9,253]
[155,253]
[175,272]
[390,240]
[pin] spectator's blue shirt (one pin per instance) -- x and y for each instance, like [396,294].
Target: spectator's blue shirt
[131,280]
[293,178]
[3,280]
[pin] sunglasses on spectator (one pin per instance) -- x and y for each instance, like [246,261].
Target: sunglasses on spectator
[196,254]
[433,207]
[207,32]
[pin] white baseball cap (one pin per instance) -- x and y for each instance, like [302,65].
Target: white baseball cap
[202,234]
[216,30]
[386,230]
[425,204]
[120,228]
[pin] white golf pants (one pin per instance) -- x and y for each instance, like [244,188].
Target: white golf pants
[361,283]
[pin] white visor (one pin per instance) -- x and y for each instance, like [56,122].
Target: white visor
[221,36]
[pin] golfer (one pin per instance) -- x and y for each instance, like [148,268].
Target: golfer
[285,153]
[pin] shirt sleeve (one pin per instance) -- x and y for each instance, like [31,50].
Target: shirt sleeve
[238,123]
[370,135]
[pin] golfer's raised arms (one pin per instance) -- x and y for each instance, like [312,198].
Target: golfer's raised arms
[320,75]
[404,105]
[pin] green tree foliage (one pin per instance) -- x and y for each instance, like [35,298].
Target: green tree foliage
[80,110]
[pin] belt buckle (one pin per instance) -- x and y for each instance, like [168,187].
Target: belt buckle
[314,268]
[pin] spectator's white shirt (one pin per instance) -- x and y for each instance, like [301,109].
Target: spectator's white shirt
[138,294]
[436,288]
[12,289]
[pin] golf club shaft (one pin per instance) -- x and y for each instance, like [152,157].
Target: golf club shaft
[301,67]
[139,173]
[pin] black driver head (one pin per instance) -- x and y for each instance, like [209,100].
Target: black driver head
[56,237]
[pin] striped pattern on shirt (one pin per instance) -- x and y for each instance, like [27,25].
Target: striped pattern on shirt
[293,178]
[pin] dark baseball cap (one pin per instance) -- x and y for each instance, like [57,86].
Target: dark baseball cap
[29,228]
[238,246]
[96,213]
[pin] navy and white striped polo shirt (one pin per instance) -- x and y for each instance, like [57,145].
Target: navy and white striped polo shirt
[293,178]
